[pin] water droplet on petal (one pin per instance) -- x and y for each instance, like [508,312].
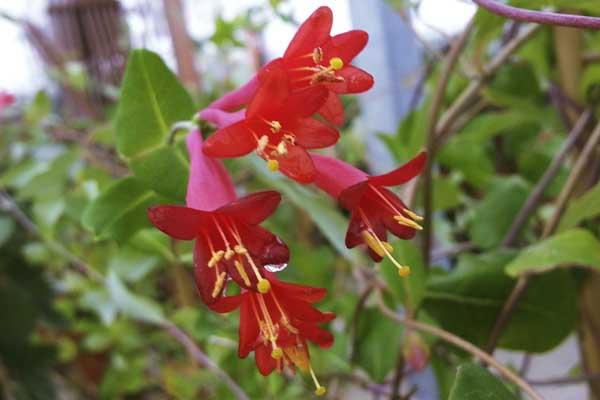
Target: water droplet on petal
[275,267]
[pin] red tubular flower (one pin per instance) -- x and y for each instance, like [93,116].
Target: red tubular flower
[374,208]
[229,241]
[314,57]
[277,326]
[277,125]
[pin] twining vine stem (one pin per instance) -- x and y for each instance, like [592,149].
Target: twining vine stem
[567,191]
[539,17]
[8,205]
[459,342]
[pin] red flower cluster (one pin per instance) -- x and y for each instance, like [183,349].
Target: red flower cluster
[274,116]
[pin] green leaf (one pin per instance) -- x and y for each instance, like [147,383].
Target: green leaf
[331,223]
[584,207]
[7,227]
[378,344]
[151,101]
[130,304]
[120,211]
[572,247]
[165,170]
[38,109]
[474,382]
[412,287]
[468,300]
[494,215]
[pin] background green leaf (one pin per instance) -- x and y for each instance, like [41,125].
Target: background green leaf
[474,382]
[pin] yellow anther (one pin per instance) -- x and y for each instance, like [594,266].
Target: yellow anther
[411,214]
[219,284]
[263,286]
[275,126]
[238,248]
[320,391]
[228,254]
[317,55]
[262,143]
[402,220]
[336,63]
[242,272]
[281,148]
[404,271]
[378,246]
[277,353]
[273,165]
[216,257]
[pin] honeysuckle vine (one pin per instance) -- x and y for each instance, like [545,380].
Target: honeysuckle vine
[539,17]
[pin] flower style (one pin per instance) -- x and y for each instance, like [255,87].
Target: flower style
[314,57]
[374,208]
[277,125]
[277,326]
[229,242]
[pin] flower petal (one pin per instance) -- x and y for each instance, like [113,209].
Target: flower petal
[249,329]
[227,304]
[333,175]
[297,165]
[403,174]
[179,222]
[314,134]
[253,208]
[271,95]
[233,141]
[312,33]
[206,172]
[265,246]
[304,102]
[355,81]
[346,45]
[351,197]
[206,278]
[221,118]
[333,109]
[236,98]
[265,363]
[300,292]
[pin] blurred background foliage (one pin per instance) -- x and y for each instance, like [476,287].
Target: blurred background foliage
[86,284]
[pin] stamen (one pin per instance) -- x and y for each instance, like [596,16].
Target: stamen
[262,143]
[282,148]
[273,165]
[216,257]
[238,248]
[378,246]
[275,126]
[277,353]
[219,284]
[240,269]
[263,286]
[336,63]
[317,55]
[320,390]
[402,220]
[229,253]
[411,214]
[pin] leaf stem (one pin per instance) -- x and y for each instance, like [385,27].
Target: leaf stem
[461,343]
[539,17]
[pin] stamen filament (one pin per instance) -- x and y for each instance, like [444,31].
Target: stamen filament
[320,390]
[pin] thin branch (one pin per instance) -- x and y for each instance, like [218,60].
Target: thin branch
[539,17]
[523,282]
[461,343]
[436,107]
[198,355]
[468,96]
[537,193]
[568,380]
[398,375]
